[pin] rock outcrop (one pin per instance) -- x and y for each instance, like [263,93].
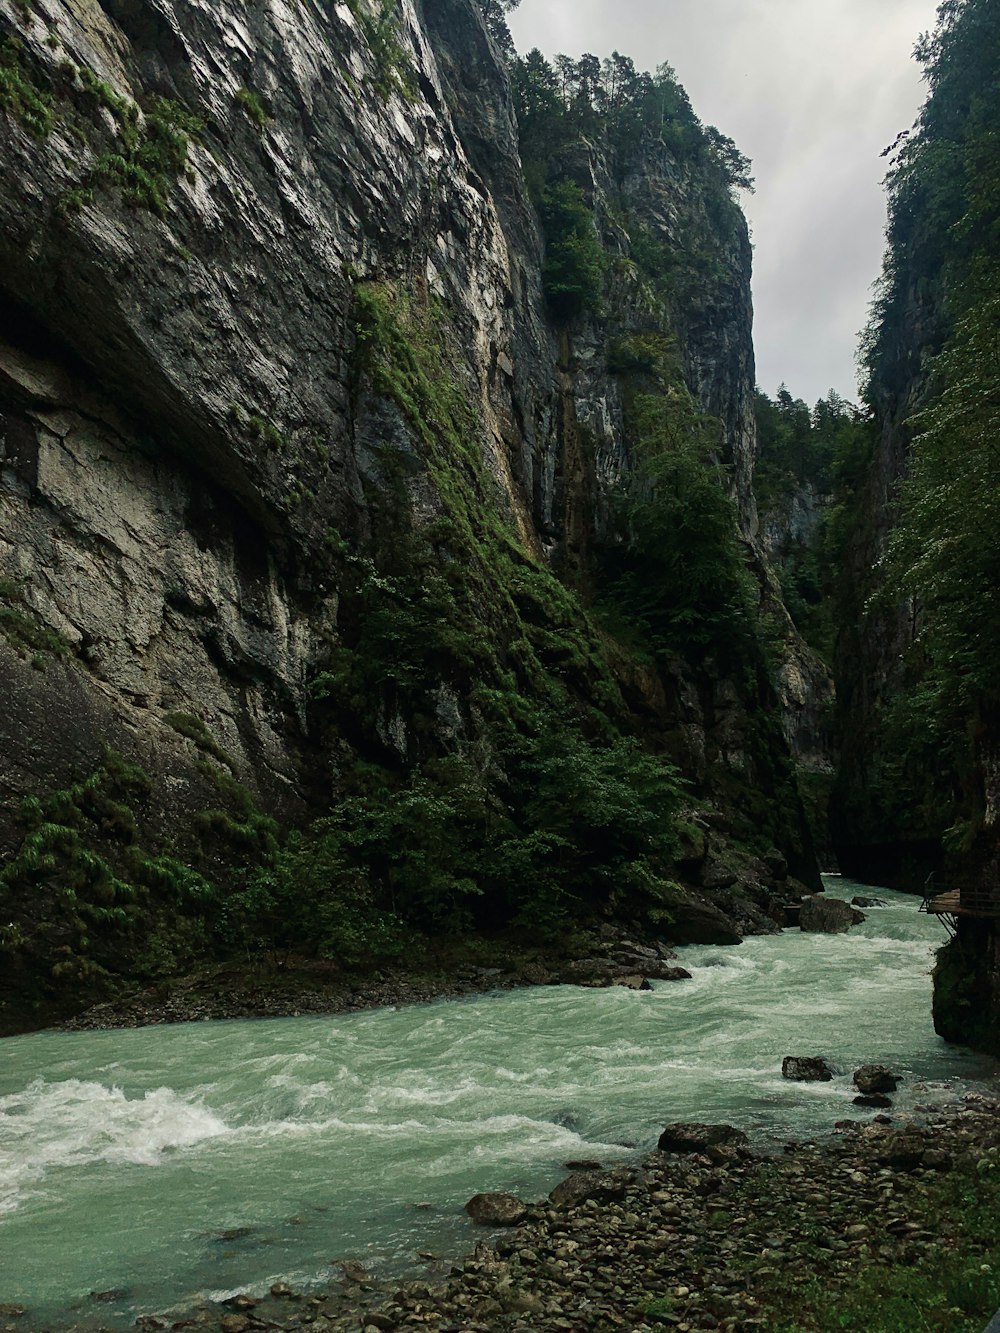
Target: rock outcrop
[870,1079]
[685,1137]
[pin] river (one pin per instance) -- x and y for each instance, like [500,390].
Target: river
[167,1163]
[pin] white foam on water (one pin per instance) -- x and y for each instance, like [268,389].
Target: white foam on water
[50,1127]
[362,1116]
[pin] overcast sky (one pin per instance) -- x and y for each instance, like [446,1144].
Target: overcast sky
[812,91]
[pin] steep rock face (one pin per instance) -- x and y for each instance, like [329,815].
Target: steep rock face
[142,587]
[967,987]
[880,835]
[223,331]
[917,660]
[791,526]
[201,200]
[794,519]
[804,681]
[710,720]
[715,324]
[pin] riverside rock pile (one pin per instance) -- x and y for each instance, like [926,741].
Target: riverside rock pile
[607,957]
[692,1240]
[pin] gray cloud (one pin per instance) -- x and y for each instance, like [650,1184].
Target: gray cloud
[812,90]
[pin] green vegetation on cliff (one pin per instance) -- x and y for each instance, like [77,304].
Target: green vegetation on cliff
[479,663]
[679,576]
[488,773]
[573,109]
[541,805]
[804,483]
[930,353]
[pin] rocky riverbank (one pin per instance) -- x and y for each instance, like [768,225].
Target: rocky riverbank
[290,987]
[609,955]
[886,1226]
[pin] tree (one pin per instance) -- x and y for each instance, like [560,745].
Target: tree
[574,260]
[537,99]
[734,164]
[495,17]
[680,573]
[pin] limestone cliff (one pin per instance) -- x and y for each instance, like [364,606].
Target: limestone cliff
[272,320]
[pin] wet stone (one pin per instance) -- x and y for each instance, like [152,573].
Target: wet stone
[872,1079]
[696,1138]
[806,1069]
[496,1210]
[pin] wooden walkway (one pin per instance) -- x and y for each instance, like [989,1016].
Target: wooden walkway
[973,902]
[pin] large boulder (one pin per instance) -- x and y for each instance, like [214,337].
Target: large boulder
[701,923]
[903,1150]
[496,1210]
[828,916]
[667,972]
[871,1079]
[589,971]
[806,1069]
[717,875]
[634,981]
[698,1138]
[602,1186]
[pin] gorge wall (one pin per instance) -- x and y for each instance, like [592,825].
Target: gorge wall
[293,449]
[916,802]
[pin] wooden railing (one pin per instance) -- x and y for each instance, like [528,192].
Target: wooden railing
[980,901]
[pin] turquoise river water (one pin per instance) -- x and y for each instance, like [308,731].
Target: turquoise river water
[174,1163]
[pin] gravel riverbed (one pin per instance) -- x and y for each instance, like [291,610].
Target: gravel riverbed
[718,1238]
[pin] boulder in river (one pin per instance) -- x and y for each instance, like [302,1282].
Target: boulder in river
[635,981]
[667,972]
[589,971]
[697,1138]
[496,1210]
[806,1069]
[859,901]
[878,1100]
[701,923]
[875,1078]
[828,916]
[241,1301]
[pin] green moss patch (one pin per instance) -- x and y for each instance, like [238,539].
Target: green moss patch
[21,94]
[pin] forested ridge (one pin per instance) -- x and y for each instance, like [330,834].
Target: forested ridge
[924,504]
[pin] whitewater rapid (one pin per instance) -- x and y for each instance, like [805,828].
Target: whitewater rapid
[170,1163]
